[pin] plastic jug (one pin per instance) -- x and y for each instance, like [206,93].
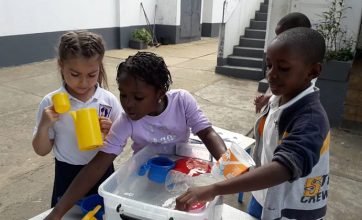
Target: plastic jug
[87,128]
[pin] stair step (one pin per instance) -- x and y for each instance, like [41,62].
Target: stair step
[263,85]
[259,25]
[263,8]
[260,16]
[251,42]
[255,33]
[245,61]
[240,72]
[248,51]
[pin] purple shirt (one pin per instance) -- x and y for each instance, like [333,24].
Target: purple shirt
[170,127]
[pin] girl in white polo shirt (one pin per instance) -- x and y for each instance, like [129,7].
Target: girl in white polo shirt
[80,63]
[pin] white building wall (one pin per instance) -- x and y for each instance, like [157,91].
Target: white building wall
[207,11]
[238,14]
[168,12]
[212,11]
[354,17]
[276,10]
[131,13]
[38,16]
[217,11]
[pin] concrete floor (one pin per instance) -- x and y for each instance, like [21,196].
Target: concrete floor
[26,179]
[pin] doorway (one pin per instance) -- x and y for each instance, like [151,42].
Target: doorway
[190,24]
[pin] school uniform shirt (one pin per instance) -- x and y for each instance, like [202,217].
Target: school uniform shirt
[296,135]
[170,127]
[65,146]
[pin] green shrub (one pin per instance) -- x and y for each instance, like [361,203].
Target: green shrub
[338,45]
[142,35]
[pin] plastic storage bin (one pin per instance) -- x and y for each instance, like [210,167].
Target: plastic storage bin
[118,205]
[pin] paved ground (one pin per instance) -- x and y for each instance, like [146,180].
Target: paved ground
[26,179]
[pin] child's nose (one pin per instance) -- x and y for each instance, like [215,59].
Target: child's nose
[84,82]
[271,73]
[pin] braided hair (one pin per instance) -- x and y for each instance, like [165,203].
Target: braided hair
[147,67]
[83,44]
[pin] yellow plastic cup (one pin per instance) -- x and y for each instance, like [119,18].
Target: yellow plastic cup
[87,128]
[61,102]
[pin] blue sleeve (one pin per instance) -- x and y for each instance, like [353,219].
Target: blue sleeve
[300,148]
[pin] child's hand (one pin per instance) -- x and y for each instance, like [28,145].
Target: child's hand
[260,101]
[49,117]
[105,124]
[194,195]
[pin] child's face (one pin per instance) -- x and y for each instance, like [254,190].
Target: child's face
[288,74]
[80,76]
[138,98]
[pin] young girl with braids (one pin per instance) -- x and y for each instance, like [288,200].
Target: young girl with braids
[152,115]
[80,63]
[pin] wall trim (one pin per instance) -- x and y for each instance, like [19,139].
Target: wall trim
[210,29]
[221,61]
[28,48]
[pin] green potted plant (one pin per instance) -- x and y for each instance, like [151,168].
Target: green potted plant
[140,39]
[333,81]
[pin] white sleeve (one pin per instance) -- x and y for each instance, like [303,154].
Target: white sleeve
[43,104]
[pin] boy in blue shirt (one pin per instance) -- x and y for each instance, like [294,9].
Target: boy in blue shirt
[292,135]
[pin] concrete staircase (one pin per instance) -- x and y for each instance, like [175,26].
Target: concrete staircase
[246,62]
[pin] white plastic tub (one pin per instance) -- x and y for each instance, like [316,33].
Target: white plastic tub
[119,205]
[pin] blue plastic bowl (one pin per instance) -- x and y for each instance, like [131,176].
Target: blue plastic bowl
[90,202]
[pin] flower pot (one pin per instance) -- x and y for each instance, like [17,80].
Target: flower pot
[336,70]
[136,44]
[333,85]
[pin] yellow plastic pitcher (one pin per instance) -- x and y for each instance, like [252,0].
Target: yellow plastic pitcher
[87,128]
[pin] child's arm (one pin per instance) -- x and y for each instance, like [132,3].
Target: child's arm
[262,177]
[41,143]
[212,141]
[82,183]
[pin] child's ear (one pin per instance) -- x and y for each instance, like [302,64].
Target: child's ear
[315,70]
[60,63]
[161,93]
[60,66]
